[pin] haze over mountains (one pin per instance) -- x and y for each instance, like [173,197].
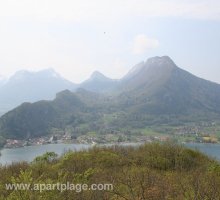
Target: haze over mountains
[25,86]
[99,83]
[153,92]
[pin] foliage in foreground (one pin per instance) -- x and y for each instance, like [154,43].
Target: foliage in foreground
[152,171]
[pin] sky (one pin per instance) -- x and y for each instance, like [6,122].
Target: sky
[77,37]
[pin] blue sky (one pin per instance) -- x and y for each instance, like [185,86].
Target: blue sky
[77,37]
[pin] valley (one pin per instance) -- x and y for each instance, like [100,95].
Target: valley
[155,101]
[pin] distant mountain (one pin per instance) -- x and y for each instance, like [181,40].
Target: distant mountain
[154,92]
[99,83]
[147,75]
[160,87]
[25,86]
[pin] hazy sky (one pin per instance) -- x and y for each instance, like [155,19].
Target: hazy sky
[76,37]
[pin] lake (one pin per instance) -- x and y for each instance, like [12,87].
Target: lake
[212,150]
[30,152]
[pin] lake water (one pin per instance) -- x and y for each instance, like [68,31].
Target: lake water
[212,150]
[29,153]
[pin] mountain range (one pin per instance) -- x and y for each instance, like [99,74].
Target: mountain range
[154,92]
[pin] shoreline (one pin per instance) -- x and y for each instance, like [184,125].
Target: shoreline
[98,144]
[28,153]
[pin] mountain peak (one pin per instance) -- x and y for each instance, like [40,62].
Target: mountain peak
[19,75]
[154,63]
[24,74]
[98,83]
[157,60]
[155,71]
[97,75]
[31,86]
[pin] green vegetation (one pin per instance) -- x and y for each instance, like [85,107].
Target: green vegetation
[85,112]
[152,171]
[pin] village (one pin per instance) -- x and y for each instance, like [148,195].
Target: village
[84,139]
[184,134]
